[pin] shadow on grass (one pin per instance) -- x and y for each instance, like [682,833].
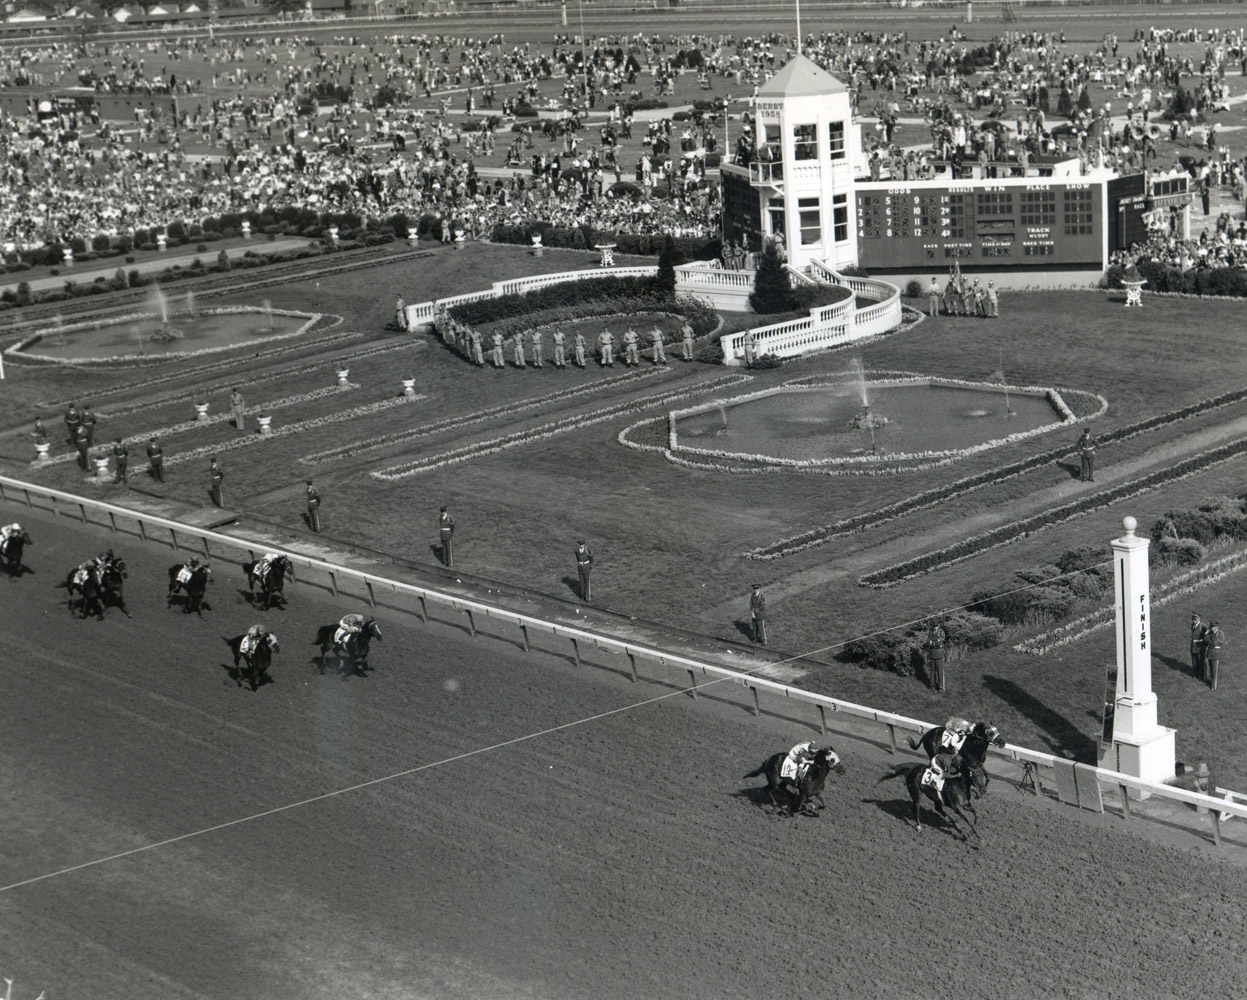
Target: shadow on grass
[1064,739]
[745,628]
[1174,664]
[1073,468]
[572,584]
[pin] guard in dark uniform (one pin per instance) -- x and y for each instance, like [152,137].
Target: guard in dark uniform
[584,566]
[156,460]
[83,447]
[1213,642]
[446,531]
[1199,632]
[1086,453]
[73,420]
[215,478]
[88,421]
[937,652]
[122,454]
[313,507]
[757,613]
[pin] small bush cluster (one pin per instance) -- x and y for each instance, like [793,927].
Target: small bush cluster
[685,248]
[1046,594]
[901,653]
[1225,281]
[1182,537]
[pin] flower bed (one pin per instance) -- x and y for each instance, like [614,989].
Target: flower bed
[311,319]
[544,431]
[967,548]
[382,441]
[1179,587]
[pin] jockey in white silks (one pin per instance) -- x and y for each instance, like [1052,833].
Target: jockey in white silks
[943,766]
[9,531]
[351,624]
[955,733]
[265,562]
[798,760]
[251,640]
[187,571]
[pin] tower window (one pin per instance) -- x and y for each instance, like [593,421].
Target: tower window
[835,134]
[805,142]
[840,217]
[811,223]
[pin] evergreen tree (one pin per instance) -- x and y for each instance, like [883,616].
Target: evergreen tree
[1043,100]
[1065,104]
[772,291]
[664,280]
[1084,100]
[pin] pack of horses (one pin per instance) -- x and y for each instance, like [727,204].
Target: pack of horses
[952,799]
[92,590]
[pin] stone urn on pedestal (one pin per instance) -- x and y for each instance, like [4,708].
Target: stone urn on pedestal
[343,374]
[266,424]
[41,452]
[201,412]
[413,236]
[409,387]
[101,468]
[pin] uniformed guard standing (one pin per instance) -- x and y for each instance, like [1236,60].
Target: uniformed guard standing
[313,507]
[499,361]
[1086,453]
[215,478]
[578,349]
[686,337]
[950,298]
[73,420]
[1199,632]
[400,313]
[82,446]
[748,344]
[993,301]
[757,613]
[156,460]
[631,354]
[1212,653]
[478,355]
[933,297]
[40,434]
[122,454]
[517,344]
[656,344]
[584,566]
[537,349]
[88,421]
[967,298]
[936,651]
[560,357]
[606,349]
[237,408]
[446,531]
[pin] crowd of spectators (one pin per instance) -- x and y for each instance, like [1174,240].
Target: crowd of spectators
[333,125]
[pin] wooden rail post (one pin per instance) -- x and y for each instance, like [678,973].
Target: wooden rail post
[142,530]
[892,735]
[692,683]
[372,601]
[632,660]
[174,535]
[757,708]
[333,583]
[1125,803]
[424,610]
[524,633]
[575,650]
[822,719]
[112,520]
[82,509]
[471,623]
[1216,826]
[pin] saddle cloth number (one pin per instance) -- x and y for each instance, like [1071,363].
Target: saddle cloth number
[952,740]
[790,769]
[934,780]
[80,577]
[184,575]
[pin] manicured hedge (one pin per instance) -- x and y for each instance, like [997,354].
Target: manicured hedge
[1160,277]
[586,237]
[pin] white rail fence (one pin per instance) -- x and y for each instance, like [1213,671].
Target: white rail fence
[423,313]
[758,694]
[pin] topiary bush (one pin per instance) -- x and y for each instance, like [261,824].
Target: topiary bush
[772,291]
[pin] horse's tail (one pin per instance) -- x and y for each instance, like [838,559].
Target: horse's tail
[913,744]
[760,771]
[898,770]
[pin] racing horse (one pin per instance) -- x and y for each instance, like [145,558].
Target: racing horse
[805,794]
[955,794]
[11,551]
[98,589]
[350,655]
[258,658]
[271,580]
[194,588]
[973,751]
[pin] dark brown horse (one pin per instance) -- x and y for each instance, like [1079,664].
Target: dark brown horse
[955,794]
[973,750]
[804,794]
[272,579]
[11,551]
[194,588]
[351,654]
[258,658]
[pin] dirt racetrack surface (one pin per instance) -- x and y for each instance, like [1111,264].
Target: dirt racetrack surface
[624,857]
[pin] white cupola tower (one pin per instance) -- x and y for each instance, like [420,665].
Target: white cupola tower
[807,148]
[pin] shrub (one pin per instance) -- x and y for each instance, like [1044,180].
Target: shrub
[223,261]
[664,280]
[968,631]
[524,110]
[1178,551]
[176,230]
[201,248]
[23,293]
[914,289]
[1009,609]
[772,292]
[142,236]
[135,278]
[55,271]
[767,361]
[100,242]
[78,245]
[885,651]
[119,280]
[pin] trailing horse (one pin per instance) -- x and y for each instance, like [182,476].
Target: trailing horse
[258,658]
[955,794]
[194,588]
[973,750]
[11,552]
[350,654]
[806,790]
[271,578]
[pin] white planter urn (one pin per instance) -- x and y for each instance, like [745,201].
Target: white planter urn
[68,254]
[343,374]
[246,229]
[333,233]
[409,387]
[413,235]
[266,425]
[201,412]
[101,467]
[162,241]
[41,452]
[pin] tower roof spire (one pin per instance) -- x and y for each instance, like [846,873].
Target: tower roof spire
[802,77]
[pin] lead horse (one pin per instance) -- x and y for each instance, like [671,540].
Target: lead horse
[807,789]
[351,653]
[11,552]
[973,750]
[953,794]
[258,658]
[194,588]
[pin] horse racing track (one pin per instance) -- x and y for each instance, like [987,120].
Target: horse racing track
[624,856]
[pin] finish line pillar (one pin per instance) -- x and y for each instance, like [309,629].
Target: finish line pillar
[1141,747]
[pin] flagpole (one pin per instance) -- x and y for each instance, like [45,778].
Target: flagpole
[798,3]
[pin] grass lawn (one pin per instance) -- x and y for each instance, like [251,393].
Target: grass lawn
[669,543]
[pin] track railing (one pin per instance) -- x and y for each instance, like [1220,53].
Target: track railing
[760,694]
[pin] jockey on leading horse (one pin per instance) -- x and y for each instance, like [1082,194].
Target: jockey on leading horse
[251,640]
[10,531]
[188,571]
[265,564]
[955,732]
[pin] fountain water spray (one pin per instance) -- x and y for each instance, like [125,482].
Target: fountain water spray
[268,311]
[190,303]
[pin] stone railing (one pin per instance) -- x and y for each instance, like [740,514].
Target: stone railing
[826,326]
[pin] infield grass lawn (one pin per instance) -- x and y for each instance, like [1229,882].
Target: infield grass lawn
[669,542]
